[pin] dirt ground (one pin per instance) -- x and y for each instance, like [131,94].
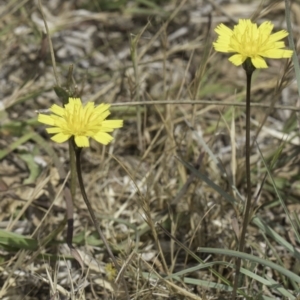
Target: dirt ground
[173,180]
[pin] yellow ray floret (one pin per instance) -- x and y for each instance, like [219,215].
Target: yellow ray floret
[80,121]
[247,40]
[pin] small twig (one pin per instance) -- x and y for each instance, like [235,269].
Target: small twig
[206,102]
[50,45]
[223,11]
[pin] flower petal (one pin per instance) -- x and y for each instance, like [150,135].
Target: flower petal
[278,35]
[82,141]
[57,110]
[60,137]
[259,63]
[278,53]
[103,138]
[221,47]
[110,125]
[223,30]
[266,27]
[46,119]
[237,59]
[102,108]
[53,130]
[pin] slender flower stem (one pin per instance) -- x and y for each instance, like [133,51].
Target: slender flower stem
[249,68]
[93,216]
[72,188]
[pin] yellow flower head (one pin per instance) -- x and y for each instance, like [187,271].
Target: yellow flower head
[111,271]
[80,121]
[249,41]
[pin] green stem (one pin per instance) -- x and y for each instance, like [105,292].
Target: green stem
[93,216]
[249,68]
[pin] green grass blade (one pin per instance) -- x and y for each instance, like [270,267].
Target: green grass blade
[275,236]
[246,256]
[17,143]
[225,195]
[18,241]
[279,197]
[291,43]
[178,276]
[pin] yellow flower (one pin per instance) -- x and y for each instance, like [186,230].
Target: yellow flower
[80,121]
[249,41]
[111,272]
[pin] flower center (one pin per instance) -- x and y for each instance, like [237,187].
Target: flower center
[248,43]
[77,121]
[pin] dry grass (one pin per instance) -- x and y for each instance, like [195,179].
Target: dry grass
[156,211]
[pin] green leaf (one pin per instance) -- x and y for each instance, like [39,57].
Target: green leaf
[18,241]
[215,187]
